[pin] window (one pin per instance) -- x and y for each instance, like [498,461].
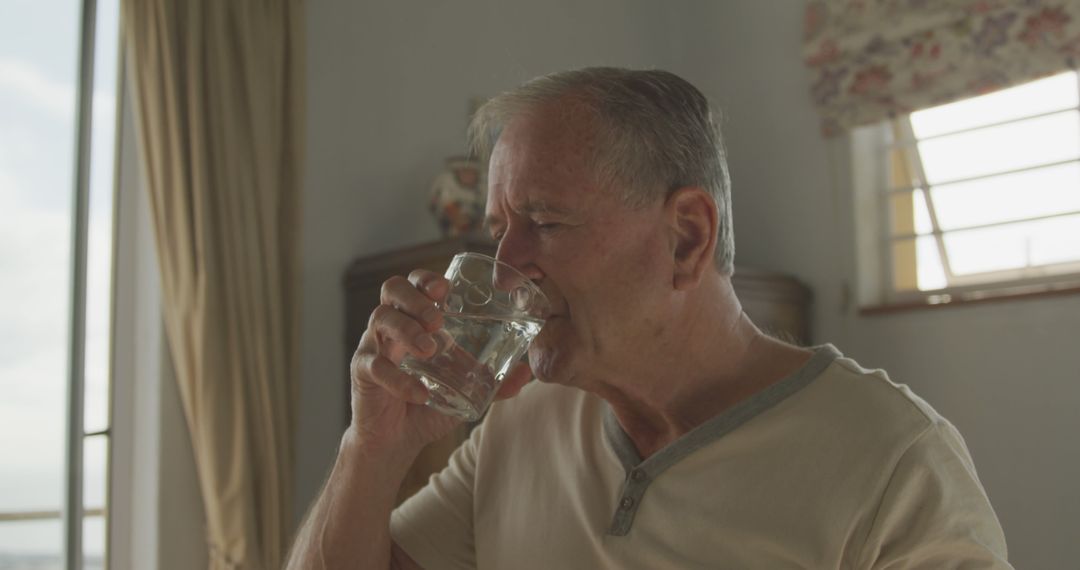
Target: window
[981,198]
[58,77]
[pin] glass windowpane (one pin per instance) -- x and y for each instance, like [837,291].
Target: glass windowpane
[1010,197]
[100,232]
[32,545]
[38,76]
[973,185]
[921,253]
[931,270]
[95,462]
[1053,138]
[39,49]
[94,538]
[923,222]
[1042,96]
[910,214]
[1014,246]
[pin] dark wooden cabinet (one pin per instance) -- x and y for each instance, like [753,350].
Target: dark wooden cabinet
[777,303]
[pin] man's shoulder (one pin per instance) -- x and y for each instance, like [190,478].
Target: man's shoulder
[876,385]
[868,400]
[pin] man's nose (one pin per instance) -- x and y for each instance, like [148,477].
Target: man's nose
[517,249]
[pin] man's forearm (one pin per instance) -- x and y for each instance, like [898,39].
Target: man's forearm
[348,527]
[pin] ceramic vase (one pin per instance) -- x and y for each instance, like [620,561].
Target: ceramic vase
[457,197]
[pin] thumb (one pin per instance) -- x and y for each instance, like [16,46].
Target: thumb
[515,380]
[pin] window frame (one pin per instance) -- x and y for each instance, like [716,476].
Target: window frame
[873,151]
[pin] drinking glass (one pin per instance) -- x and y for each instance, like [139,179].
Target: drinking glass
[490,316]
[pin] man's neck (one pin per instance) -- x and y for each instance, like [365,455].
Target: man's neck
[719,359]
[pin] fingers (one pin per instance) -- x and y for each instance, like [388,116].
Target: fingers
[370,367]
[405,296]
[397,382]
[402,324]
[515,380]
[434,285]
[396,333]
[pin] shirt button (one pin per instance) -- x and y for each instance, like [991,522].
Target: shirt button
[626,503]
[637,475]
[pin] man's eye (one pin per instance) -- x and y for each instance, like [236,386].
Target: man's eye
[547,225]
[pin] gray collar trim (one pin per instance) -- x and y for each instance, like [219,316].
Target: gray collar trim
[718,426]
[640,474]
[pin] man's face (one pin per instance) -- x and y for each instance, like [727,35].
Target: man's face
[605,266]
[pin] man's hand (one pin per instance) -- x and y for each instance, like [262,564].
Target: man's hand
[348,526]
[388,404]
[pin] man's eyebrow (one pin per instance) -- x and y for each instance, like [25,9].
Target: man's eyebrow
[542,207]
[530,207]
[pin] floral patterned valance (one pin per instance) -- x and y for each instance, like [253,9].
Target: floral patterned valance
[873,59]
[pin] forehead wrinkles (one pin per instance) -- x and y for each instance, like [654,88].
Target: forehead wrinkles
[522,203]
[539,163]
[556,138]
[559,143]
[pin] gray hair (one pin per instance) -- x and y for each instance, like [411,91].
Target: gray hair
[656,134]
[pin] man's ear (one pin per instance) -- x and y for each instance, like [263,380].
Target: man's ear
[692,218]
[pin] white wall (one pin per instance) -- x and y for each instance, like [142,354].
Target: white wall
[1006,374]
[388,91]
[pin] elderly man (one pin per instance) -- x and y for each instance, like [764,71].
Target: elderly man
[666,430]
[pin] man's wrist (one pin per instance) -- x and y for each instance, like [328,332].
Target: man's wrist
[393,459]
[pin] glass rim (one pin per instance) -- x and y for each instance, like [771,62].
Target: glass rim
[526,281]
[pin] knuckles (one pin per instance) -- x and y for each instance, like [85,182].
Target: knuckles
[424,280]
[363,366]
[421,277]
[360,364]
[379,314]
[391,286]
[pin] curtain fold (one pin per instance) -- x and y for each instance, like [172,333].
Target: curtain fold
[875,59]
[218,89]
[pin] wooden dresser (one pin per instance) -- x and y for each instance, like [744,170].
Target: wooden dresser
[777,303]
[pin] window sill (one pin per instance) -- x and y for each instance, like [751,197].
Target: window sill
[940,299]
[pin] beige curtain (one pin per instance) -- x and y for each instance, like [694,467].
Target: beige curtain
[874,59]
[218,92]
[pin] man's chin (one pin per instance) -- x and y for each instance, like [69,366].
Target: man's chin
[544,363]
